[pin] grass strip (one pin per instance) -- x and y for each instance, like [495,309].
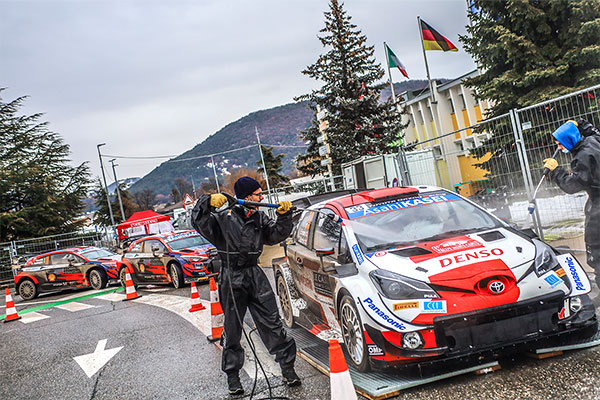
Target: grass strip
[58,303]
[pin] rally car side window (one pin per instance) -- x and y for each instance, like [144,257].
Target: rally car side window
[148,244]
[137,248]
[303,230]
[63,258]
[327,231]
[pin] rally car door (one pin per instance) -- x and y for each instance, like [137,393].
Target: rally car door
[153,261]
[66,268]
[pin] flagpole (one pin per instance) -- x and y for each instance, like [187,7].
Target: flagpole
[425,57]
[387,59]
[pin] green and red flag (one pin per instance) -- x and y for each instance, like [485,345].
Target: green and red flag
[433,40]
[393,61]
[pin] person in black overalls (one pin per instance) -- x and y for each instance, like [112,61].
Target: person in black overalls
[584,175]
[239,233]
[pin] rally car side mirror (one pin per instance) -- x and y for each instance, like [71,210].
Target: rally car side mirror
[324,252]
[155,249]
[71,260]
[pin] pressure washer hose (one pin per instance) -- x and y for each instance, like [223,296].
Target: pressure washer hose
[531,207]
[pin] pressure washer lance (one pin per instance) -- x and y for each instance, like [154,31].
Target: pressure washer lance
[531,207]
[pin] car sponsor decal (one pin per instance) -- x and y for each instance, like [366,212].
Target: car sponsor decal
[378,314]
[469,256]
[457,244]
[580,283]
[374,350]
[553,280]
[359,212]
[322,284]
[560,272]
[376,254]
[434,306]
[358,254]
[405,305]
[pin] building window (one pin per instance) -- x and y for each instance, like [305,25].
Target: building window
[430,113]
[462,99]
[459,145]
[451,105]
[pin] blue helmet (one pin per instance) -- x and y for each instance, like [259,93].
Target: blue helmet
[567,134]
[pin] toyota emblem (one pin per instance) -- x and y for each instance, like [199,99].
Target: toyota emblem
[496,287]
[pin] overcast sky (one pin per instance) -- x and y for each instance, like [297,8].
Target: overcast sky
[152,78]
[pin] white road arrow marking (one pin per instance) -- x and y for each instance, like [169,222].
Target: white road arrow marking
[91,363]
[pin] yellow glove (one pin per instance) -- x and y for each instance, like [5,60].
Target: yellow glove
[284,206]
[217,200]
[550,163]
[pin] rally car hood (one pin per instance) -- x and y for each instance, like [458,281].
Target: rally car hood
[198,251]
[461,260]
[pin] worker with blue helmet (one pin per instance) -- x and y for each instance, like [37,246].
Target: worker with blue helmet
[584,175]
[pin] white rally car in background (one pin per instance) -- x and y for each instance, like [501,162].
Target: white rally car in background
[411,274]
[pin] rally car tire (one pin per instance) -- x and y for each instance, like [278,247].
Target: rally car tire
[353,334]
[284,302]
[176,275]
[27,289]
[122,279]
[98,279]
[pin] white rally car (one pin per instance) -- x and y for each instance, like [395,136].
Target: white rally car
[412,274]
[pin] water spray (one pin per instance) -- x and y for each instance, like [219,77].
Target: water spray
[531,207]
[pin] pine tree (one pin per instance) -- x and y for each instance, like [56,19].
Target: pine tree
[359,124]
[273,164]
[532,50]
[529,51]
[40,193]
[102,216]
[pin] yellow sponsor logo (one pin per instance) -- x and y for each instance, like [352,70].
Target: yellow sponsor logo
[142,268]
[560,272]
[51,277]
[406,305]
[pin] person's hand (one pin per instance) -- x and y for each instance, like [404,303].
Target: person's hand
[217,200]
[550,163]
[284,206]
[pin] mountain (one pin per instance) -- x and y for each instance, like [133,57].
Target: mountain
[276,126]
[125,183]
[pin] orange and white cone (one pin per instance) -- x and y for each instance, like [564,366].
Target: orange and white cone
[216,313]
[130,288]
[11,311]
[196,304]
[340,381]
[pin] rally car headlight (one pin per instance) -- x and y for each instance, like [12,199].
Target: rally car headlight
[545,260]
[195,259]
[398,287]
[412,340]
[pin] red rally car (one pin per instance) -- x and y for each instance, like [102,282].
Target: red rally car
[66,268]
[178,257]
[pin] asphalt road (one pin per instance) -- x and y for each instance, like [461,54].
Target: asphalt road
[156,349]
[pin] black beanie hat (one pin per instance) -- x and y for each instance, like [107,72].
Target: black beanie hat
[245,186]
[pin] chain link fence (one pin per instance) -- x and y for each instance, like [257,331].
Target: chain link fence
[498,163]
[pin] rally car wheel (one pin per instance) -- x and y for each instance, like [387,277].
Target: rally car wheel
[284,301]
[353,335]
[27,290]
[176,275]
[98,279]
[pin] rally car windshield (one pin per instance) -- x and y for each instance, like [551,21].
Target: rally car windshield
[97,254]
[188,242]
[405,222]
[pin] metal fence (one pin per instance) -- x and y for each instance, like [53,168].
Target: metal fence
[498,162]
[16,252]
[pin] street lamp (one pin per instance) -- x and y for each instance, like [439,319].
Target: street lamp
[112,218]
[112,162]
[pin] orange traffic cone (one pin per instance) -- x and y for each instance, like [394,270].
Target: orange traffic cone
[11,311]
[196,304]
[216,313]
[130,288]
[342,387]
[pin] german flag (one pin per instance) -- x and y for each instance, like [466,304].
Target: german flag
[433,40]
